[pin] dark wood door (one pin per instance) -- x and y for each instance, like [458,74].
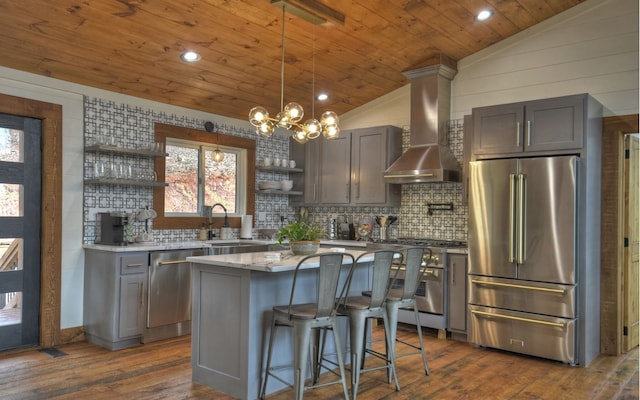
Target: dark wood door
[20,198]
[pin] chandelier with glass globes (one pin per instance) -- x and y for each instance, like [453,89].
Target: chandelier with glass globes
[291,115]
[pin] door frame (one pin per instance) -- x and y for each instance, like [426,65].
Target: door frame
[611,298]
[51,216]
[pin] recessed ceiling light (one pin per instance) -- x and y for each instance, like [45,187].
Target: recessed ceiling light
[484,15]
[190,56]
[322,97]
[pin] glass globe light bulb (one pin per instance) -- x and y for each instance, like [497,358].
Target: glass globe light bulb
[329,118]
[218,155]
[294,112]
[283,120]
[331,131]
[266,129]
[300,136]
[312,128]
[257,115]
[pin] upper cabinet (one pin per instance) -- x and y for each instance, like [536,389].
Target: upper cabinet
[527,127]
[349,170]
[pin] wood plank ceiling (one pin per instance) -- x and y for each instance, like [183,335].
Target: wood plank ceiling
[134,46]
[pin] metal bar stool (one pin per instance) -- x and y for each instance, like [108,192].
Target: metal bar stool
[359,309]
[306,319]
[415,265]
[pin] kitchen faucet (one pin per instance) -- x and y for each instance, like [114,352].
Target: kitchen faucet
[225,224]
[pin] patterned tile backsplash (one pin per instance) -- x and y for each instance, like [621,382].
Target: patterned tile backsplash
[131,127]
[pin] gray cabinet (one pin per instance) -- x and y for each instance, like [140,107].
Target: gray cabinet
[529,127]
[307,156]
[114,297]
[372,151]
[335,167]
[348,170]
[457,296]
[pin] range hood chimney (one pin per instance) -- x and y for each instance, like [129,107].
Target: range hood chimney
[428,159]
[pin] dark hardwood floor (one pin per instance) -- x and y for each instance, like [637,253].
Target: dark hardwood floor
[162,370]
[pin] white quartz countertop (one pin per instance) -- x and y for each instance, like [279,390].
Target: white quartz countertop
[269,261]
[196,244]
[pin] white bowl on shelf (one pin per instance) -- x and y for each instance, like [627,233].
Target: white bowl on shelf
[269,185]
[286,185]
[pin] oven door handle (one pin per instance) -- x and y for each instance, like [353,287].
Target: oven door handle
[511,317]
[431,272]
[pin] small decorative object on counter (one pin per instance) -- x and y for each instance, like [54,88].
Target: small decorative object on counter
[364,229]
[304,237]
[204,235]
[384,221]
[225,233]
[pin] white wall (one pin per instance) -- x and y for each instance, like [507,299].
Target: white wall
[591,48]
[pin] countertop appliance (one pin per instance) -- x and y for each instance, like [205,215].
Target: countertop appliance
[522,255]
[169,294]
[112,228]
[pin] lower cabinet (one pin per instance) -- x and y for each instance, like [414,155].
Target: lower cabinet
[131,316]
[114,297]
[457,299]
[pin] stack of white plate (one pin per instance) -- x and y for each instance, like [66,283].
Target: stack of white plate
[269,185]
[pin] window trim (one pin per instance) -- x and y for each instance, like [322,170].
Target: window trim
[162,131]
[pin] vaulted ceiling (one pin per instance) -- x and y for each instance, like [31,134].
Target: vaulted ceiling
[134,46]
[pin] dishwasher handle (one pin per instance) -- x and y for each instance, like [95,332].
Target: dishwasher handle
[161,263]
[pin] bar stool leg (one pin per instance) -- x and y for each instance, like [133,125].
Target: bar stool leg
[336,341]
[419,328]
[301,341]
[391,359]
[392,316]
[266,370]
[357,325]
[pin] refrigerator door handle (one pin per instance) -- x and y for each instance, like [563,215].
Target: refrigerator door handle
[512,217]
[522,213]
[515,318]
[516,286]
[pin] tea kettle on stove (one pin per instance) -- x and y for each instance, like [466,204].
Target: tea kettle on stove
[384,221]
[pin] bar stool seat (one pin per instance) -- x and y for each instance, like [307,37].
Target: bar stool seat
[306,319]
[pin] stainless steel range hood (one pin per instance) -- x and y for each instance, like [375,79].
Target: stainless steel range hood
[428,159]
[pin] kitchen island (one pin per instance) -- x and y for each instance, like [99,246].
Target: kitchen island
[232,298]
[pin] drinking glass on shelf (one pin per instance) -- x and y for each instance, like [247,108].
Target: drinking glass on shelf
[99,169]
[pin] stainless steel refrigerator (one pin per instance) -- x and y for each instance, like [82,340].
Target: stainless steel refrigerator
[523,275]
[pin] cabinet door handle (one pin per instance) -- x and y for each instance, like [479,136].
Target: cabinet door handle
[141,294]
[453,273]
[133,265]
[529,133]
[358,190]
[517,134]
[347,191]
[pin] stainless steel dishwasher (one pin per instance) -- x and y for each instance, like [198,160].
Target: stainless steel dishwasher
[169,294]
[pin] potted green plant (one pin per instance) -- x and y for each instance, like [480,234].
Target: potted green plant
[303,235]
